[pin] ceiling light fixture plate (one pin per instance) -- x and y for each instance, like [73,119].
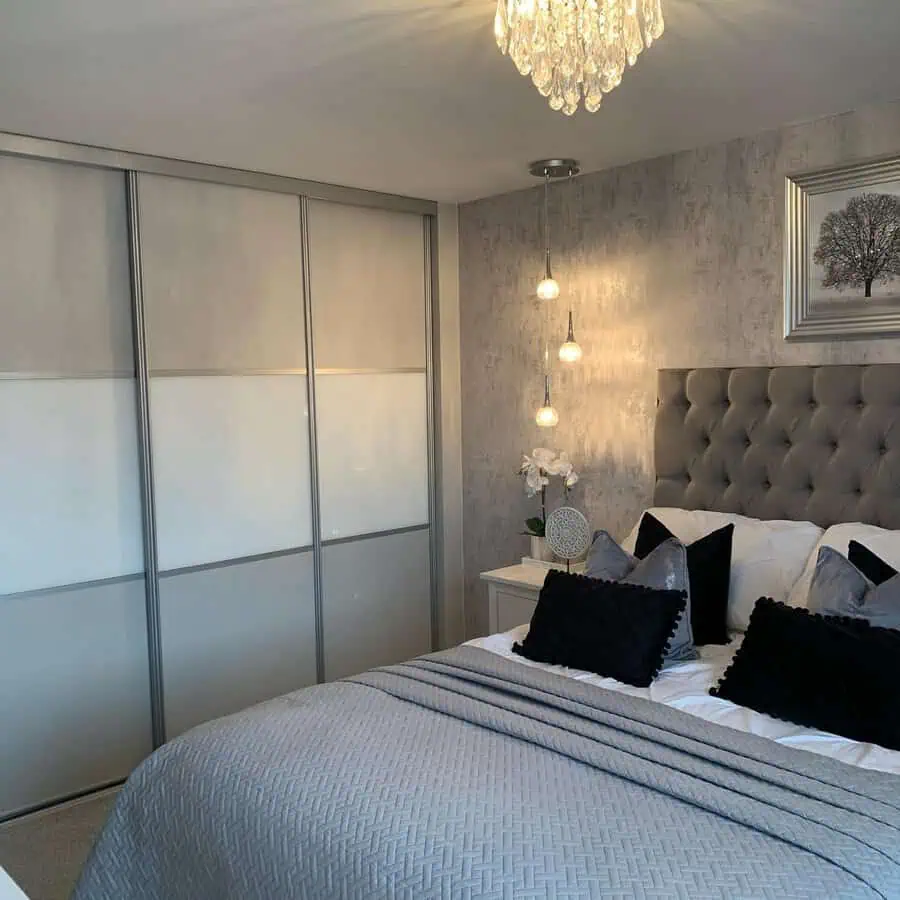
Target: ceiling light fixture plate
[554,168]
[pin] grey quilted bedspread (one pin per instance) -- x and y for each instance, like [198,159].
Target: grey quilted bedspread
[464,775]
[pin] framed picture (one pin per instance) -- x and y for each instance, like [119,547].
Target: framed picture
[842,252]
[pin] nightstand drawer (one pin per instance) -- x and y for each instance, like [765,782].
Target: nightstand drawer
[514,609]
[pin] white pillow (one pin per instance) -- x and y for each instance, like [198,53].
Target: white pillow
[879,540]
[767,557]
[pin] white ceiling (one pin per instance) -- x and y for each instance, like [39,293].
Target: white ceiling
[412,96]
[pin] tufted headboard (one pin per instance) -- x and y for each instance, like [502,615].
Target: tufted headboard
[818,443]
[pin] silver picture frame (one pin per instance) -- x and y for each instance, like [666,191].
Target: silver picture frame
[805,317]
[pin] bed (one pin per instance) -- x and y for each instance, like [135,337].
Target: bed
[470,773]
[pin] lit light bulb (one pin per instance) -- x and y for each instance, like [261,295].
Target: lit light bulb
[548,289]
[570,351]
[547,417]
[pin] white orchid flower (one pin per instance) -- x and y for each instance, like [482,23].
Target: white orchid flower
[561,466]
[543,457]
[535,479]
[535,482]
[566,470]
[543,463]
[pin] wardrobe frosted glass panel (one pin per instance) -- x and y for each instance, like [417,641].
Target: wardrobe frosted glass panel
[367,278]
[69,483]
[373,452]
[223,280]
[236,635]
[74,691]
[64,302]
[231,466]
[377,607]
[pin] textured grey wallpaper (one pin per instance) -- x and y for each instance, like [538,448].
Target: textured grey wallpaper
[673,262]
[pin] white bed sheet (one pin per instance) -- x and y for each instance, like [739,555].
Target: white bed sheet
[685,686]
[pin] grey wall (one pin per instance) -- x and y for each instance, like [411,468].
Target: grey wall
[673,262]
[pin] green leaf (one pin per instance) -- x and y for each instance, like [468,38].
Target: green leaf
[535,526]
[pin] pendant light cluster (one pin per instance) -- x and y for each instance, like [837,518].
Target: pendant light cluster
[548,288]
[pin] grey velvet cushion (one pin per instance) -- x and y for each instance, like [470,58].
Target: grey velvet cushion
[665,568]
[838,588]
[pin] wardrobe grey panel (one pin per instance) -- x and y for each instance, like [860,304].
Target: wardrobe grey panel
[234,636]
[377,604]
[65,300]
[223,276]
[367,282]
[74,691]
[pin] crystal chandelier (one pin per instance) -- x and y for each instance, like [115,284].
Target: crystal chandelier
[575,48]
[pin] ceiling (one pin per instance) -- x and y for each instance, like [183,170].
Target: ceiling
[412,96]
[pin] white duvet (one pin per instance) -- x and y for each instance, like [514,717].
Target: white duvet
[685,686]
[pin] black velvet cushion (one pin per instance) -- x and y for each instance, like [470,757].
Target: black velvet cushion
[614,629]
[835,674]
[709,571]
[870,564]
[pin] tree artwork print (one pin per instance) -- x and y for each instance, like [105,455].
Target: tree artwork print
[859,245]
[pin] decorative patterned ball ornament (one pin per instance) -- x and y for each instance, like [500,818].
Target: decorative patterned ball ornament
[568,533]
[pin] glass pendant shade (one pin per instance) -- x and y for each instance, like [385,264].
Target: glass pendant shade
[548,289]
[570,351]
[546,416]
[576,50]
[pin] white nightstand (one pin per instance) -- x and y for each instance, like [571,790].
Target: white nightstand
[513,592]
[9,890]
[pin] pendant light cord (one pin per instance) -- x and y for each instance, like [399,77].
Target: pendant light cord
[547,220]
[571,336]
[547,275]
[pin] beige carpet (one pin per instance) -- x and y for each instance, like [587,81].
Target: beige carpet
[44,852]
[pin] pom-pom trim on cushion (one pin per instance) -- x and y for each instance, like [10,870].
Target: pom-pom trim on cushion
[613,629]
[837,674]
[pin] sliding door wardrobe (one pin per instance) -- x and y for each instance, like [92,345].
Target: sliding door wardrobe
[74,676]
[217,474]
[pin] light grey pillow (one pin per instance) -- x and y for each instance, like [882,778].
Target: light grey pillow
[663,569]
[607,560]
[838,588]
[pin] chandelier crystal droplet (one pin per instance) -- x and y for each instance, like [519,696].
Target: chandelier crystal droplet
[575,49]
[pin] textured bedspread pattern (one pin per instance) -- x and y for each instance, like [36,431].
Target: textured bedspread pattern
[465,775]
